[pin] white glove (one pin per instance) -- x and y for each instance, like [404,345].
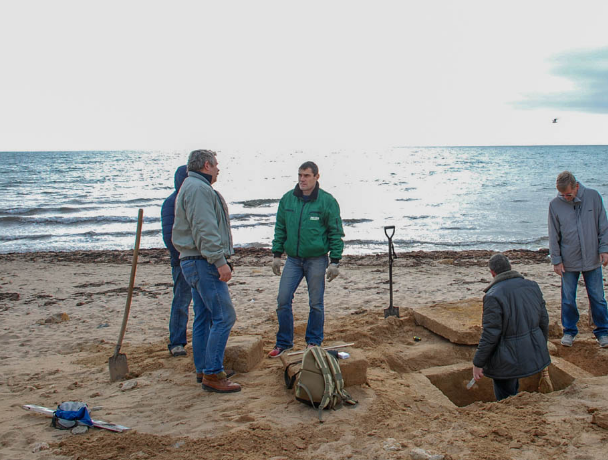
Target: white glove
[276,266]
[332,272]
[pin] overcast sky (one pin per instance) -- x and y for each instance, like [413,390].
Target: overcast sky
[82,75]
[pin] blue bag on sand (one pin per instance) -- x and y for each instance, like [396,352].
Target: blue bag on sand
[71,413]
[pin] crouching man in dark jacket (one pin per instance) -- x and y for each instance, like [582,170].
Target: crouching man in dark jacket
[515,325]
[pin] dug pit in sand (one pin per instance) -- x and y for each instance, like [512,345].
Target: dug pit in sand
[452,381]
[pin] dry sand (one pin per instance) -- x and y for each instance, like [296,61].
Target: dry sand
[172,417]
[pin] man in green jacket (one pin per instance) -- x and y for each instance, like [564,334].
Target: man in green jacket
[308,227]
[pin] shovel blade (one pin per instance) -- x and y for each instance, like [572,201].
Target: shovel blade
[118,367]
[391,311]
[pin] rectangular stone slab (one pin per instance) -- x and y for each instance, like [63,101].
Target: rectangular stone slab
[459,322]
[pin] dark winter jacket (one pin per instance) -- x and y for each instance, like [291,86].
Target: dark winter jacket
[167,214]
[309,228]
[515,325]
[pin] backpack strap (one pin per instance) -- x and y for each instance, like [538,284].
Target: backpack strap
[340,392]
[321,357]
[310,401]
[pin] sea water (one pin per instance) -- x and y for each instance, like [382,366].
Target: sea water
[436,197]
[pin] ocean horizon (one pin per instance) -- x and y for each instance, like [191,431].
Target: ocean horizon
[438,198]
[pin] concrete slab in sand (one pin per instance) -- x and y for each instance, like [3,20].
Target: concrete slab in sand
[459,322]
[243,352]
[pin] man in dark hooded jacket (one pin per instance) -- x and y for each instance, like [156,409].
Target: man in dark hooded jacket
[182,293]
[515,325]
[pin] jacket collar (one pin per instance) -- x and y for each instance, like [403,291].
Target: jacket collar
[198,175]
[579,195]
[510,274]
[581,191]
[313,196]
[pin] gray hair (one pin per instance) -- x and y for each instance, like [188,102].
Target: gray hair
[499,263]
[198,158]
[564,180]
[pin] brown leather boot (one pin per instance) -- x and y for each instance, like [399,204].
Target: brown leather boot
[229,374]
[219,383]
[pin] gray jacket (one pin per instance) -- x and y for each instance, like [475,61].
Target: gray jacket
[513,342]
[578,230]
[201,226]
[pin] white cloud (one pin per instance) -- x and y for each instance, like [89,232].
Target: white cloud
[587,73]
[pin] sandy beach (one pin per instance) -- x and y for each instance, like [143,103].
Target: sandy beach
[48,357]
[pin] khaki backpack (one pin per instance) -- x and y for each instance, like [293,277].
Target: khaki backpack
[319,381]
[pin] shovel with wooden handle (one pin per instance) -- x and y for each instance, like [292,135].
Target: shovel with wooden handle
[118,362]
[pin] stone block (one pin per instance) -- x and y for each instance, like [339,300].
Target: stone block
[459,322]
[243,352]
[354,368]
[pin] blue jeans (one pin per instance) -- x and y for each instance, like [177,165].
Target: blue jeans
[595,291]
[182,296]
[214,315]
[313,269]
[503,388]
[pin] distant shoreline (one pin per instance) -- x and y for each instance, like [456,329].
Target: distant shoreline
[261,257]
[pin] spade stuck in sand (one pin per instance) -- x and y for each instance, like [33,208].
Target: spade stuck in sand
[118,362]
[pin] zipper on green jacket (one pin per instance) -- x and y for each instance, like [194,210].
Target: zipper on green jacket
[300,228]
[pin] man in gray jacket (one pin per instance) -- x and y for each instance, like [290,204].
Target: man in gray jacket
[578,243]
[515,325]
[201,234]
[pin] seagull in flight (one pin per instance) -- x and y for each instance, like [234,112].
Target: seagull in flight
[555,120]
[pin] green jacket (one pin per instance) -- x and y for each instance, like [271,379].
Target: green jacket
[308,228]
[201,226]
